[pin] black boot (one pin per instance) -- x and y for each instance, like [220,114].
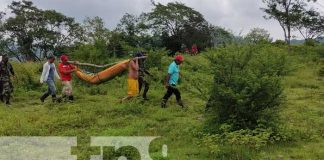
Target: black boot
[145,98]
[180,103]
[163,103]
[64,98]
[71,98]
[8,103]
[44,96]
[7,99]
[1,98]
[146,88]
[54,98]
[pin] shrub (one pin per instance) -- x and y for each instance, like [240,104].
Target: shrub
[310,42]
[279,43]
[96,53]
[247,85]
[254,139]
[154,59]
[27,74]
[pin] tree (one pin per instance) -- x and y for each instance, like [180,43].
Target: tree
[6,44]
[220,36]
[116,44]
[258,35]
[311,25]
[2,39]
[178,24]
[286,12]
[56,32]
[34,32]
[94,30]
[134,29]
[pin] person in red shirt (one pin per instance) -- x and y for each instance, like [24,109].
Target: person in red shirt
[66,69]
[194,49]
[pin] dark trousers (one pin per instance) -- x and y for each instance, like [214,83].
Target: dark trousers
[5,91]
[142,82]
[172,90]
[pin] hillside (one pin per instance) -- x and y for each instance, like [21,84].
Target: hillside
[97,111]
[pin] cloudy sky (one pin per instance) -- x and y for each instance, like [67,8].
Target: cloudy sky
[239,16]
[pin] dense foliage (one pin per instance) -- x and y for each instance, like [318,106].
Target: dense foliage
[247,85]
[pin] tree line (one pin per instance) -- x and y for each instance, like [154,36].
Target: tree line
[30,33]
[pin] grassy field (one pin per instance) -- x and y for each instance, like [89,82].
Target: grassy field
[97,111]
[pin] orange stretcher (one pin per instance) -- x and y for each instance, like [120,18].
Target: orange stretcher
[104,75]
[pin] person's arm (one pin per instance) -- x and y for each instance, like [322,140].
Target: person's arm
[166,82]
[56,74]
[134,64]
[11,70]
[66,71]
[44,73]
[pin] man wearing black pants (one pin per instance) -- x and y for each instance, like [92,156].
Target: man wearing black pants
[171,82]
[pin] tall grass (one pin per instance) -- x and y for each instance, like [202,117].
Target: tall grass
[97,111]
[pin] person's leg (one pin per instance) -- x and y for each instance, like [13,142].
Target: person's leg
[70,91]
[1,91]
[67,90]
[64,90]
[166,97]
[140,84]
[52,89]
[11,87]
[146,88]
[178,97]
[132,89]
[6,92]
[46,94]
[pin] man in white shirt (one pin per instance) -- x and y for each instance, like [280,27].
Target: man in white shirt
[48,75]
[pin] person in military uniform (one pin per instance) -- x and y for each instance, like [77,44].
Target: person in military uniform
[6,87]
[142,82]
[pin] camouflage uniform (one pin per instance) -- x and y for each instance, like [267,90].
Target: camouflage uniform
[141,76]
[6,87]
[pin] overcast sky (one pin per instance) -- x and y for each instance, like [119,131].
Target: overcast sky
[239,16]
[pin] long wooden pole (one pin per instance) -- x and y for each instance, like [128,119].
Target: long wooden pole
[99,66]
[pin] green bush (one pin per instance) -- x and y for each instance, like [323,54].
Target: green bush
[239,143]
[279,43]
[254,139]
[27,75]
[247,87]
[96,53]
[310,42]
[154,59]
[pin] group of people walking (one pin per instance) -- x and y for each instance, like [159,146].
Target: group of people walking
[136,79]
[49,74]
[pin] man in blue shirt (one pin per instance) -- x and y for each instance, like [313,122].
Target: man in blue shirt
[171,81]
